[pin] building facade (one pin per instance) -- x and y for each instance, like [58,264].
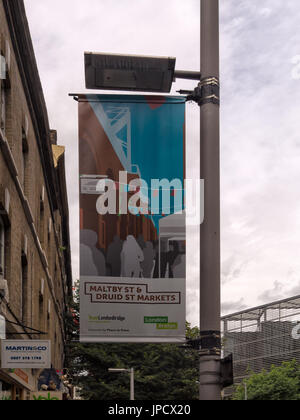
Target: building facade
[35,259]
[261,337]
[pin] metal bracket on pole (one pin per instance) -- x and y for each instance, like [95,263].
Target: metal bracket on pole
[209,343]
[187,75]
[208,91]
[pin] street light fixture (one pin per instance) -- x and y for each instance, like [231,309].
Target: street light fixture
[133,72]
[131,372]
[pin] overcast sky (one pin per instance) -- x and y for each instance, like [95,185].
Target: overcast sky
[260,132]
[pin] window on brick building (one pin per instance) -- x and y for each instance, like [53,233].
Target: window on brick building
[2,105]
[3,90]
[41,312]
[49,316]
[24,160]
[5,62]
[49,230]
[42,218]
[24,286]
[2,247]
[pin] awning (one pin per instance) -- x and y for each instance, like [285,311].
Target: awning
[173,226]
[19,378]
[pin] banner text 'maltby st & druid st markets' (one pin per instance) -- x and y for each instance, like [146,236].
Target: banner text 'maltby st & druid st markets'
[129,293]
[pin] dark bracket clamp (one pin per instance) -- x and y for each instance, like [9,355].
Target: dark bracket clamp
[209,344]
[208,91]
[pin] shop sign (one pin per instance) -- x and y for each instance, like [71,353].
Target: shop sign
[21,354]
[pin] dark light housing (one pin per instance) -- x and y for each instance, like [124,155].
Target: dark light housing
[129,72]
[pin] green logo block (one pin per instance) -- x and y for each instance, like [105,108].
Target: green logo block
[48,398]
[168,326]
[156,320]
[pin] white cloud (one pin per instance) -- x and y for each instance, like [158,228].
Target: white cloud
[265,12]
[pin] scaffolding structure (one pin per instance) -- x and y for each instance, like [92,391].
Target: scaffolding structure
[261,337]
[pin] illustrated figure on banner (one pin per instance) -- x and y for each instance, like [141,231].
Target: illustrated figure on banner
[113,259]
[149,258]
[92,260]
[131,258]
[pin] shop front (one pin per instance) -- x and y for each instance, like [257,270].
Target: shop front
[15,385]
[6,390]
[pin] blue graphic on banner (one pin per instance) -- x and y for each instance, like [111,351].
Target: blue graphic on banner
[147,136]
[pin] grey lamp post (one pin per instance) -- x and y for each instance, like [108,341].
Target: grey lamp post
[131,371]
[156,74]
[210,293]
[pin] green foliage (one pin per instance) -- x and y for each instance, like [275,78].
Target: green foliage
[5,398]
[280,384]
[162,372]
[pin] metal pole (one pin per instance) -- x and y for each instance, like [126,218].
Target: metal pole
[132,396]
[210,296]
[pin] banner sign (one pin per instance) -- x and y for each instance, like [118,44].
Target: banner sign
[21,354]
[132,218]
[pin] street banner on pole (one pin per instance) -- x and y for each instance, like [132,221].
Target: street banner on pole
[132,218]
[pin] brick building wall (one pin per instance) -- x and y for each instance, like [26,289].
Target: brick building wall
[33,203]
